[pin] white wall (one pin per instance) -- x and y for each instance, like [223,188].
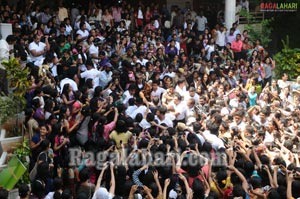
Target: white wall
[5,29]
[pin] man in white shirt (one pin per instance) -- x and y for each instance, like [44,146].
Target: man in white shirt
[83,32]
[191,113]
[202,23]
[191,94]
[181,87]
[145,123]
[38,49]
[131,107]
[140,108]
[261,118]
[162,118]
[53,65]
[157,91]
[178,108]
[283,83]
[94,50]
[215,141]
[105,75]
[220,40]
[168,72]
[80,20]
[141,59]
[6,47]
[238,121]
[210,48]
[210,134]
[129,94]
[90,73]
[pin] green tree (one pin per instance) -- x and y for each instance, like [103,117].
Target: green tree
[255,33]
[15,102]
[288,60]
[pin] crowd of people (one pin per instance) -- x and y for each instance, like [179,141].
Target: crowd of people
[136,101]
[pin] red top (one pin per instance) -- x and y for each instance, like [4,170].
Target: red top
[237,46]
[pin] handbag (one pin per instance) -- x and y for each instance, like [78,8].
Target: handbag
[33,172]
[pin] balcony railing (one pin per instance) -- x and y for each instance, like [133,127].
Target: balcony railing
[252,18]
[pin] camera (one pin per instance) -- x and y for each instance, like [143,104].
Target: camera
[98,42]
[140,189]
[196,66]
[235,130]
[236,148]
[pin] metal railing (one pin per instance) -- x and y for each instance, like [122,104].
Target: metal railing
[254,17]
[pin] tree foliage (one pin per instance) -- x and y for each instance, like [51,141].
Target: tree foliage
[288,60]
[263,33]
[18,82]
[8,107]
[18,77]
[22,152]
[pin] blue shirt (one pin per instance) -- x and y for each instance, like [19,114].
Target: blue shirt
[252,98]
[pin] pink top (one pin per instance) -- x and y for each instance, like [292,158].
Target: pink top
[237,46]
[107,129]
[204,169]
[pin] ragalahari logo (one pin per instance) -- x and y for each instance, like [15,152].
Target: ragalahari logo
[279,7]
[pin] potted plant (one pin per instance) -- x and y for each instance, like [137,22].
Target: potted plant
[14,147]
[16,170]
[22,152]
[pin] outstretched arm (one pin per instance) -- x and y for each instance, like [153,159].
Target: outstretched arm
[167,182]
[101,176]
[112,181]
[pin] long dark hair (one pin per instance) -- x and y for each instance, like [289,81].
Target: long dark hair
[97,117]
[66,90]
[89,83]
[28,115]
[100,126]
[48,105]
[198,189]
[62,111]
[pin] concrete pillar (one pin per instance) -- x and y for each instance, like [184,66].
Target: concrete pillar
[229,13]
